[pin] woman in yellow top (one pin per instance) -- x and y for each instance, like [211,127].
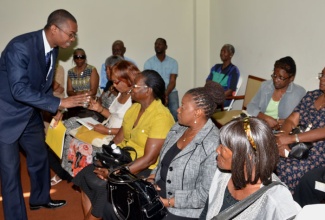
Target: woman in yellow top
[145,127]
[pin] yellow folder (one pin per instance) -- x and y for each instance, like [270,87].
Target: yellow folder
[55,137]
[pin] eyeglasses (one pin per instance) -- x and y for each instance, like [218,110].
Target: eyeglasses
[71,35]
[79,57]
[320,75]
[274,76]
[248,132]
[136,86]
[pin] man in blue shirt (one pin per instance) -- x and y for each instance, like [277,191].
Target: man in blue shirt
[167,67]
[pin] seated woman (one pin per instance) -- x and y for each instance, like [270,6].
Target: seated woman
[276,98]
[246,159]
[187,160]
[225,73]
[145,127]
[81,78]
[310,112]
[123,74]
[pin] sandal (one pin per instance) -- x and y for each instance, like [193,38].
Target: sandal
[55,180]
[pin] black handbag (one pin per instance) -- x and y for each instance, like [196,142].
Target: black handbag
[299,150]
[133,198]
[113,156]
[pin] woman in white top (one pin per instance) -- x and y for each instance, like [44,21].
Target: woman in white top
[75,156]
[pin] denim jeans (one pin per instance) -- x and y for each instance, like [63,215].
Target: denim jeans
[173,103]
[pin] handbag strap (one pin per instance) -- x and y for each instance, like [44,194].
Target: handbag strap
[129,149]
[240,206]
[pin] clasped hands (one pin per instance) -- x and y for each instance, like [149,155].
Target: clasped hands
[282,142]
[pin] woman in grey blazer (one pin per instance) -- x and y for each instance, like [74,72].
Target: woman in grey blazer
[187,160]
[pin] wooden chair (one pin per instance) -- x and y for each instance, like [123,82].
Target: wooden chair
[253,84]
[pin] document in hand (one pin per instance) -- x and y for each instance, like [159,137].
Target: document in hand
[85,121]
[55,137]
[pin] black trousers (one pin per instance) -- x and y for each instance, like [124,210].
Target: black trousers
[305,193]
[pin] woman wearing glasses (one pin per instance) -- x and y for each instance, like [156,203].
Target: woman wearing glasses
[145,127]
[83,77]
[277,98]
[246,159]
[310,112]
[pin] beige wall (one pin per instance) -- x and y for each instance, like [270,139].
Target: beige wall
[261,31]
[138,23]
[264,31]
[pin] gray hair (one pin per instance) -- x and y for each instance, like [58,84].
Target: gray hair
[112,60]
[230,48]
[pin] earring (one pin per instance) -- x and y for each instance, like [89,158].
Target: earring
[195,121]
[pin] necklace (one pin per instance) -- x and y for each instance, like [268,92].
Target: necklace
[186,136]
[78,72]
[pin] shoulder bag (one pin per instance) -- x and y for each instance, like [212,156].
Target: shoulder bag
[240,206]
[133,198]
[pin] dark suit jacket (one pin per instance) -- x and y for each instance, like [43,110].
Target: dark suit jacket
[23,85]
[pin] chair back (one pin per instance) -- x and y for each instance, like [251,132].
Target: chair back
[252,86]
[239,83]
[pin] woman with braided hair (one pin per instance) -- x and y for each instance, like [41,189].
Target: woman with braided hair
[187,160]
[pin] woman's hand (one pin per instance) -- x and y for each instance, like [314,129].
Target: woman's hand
[95,105]
[102,173]
[282,141]
[100,128]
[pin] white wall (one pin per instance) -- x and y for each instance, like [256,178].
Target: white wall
[138,23]
[264,31]
[261,31]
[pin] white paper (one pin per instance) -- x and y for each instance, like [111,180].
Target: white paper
[320,186]
[85,121]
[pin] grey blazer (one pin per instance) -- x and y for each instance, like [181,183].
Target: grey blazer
[191,171]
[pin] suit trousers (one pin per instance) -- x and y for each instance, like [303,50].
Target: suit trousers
[32,141]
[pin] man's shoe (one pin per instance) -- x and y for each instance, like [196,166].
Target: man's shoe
[51,205]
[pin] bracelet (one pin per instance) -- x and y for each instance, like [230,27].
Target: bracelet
[297,138]
[102,110]
[109,131]
[169,205]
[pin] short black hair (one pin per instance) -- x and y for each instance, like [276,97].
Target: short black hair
[287,64]
[259,163]
[154,81]
[58,17]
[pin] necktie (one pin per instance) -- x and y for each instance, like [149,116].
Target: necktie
[48,60]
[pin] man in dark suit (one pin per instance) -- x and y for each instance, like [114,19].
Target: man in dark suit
[25,89]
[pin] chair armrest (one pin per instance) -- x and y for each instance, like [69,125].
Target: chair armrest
[237,97]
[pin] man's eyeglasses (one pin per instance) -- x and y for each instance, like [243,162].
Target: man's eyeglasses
[136,86]
[71,35]
[274,76]
[320,75]
[79,57]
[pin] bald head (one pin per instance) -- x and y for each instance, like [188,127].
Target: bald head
[118,48]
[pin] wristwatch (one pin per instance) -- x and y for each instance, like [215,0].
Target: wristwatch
[297,138]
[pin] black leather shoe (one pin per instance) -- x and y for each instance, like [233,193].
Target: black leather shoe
[51,205]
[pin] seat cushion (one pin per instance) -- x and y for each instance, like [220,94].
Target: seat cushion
[222,117]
